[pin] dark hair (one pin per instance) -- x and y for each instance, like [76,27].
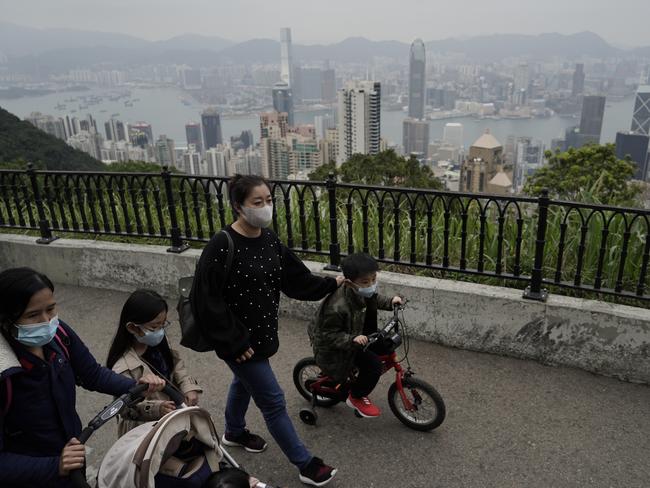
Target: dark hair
[17,286]
[141,307]
[240,186]
[228,478]
[357,265]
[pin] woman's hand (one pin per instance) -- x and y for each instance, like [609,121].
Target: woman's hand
[156,383]
[72,457]
[166,407]
[340,280]
[362,340]
[192,398]
[246,356]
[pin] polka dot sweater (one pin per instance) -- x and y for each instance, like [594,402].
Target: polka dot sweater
[243,311]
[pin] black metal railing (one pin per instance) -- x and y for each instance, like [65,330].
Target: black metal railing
[536,241]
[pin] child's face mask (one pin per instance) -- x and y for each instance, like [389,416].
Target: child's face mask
[366,287]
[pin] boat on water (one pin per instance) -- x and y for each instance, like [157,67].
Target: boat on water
[115,115]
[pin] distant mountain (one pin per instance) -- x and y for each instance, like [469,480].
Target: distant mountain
[193,42]
[253,51]
[21,141]
[501,46]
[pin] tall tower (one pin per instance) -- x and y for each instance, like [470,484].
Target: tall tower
[591,120]
[283,99]
[417,79]
[211,123]
[285,56]
[359,119]
[641,114]
[193,134]
[578,85]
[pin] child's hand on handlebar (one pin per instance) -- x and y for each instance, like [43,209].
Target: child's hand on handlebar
[156,383]
[362,340]
[397,300]
[72,457]
[192,398]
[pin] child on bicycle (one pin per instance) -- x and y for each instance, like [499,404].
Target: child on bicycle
[340,331]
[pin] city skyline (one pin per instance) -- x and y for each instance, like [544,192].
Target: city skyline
[318,23]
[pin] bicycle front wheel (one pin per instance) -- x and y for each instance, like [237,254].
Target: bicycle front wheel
[427,407]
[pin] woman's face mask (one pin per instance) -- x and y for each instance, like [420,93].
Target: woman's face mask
[258,216]
[37,335]
[151,337]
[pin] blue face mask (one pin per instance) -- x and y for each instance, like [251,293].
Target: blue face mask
[367,292]
[151,337]
[37,335]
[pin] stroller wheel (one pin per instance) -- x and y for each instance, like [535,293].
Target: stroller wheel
[308,416]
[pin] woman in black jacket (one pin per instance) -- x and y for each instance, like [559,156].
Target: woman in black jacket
[239,317]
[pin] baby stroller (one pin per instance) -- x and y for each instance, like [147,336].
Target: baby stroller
[179,450]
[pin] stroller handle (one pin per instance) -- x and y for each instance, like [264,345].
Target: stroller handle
[133,396]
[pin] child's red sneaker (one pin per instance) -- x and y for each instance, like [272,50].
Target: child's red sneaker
[364,406]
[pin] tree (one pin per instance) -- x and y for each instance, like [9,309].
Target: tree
[591,174]
[386,169]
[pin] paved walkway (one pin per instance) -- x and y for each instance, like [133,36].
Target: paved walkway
[510,423]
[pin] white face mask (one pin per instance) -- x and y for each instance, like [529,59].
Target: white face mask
[258,216]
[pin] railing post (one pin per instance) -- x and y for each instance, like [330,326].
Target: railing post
[535,291]
[335,248]
[177,243]
[43,224]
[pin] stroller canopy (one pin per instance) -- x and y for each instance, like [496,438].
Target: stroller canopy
[140,454]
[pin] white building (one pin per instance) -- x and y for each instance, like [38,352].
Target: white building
[359,120]
[286,65]
[453,134]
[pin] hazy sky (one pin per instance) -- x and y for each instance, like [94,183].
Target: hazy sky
[622,22]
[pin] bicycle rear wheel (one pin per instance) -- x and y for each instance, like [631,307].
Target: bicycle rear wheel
[306,371]
[428,410]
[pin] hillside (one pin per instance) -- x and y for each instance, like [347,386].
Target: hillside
[20,141]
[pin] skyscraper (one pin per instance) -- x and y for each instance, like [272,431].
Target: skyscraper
[141,134]
[591,120]
[578,84]
[115,130]
[359,119]
[417,79]
[641,114]
[415,137]
[328,88]
[635,146]
[47,123]
[165,153]
[283,100]
[193,135]
[211,123]
[285,56]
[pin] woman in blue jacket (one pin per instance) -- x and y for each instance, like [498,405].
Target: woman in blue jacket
[41,362]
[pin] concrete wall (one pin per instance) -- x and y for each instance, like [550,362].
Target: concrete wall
[600,337]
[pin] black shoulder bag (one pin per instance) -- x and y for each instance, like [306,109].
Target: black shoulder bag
[192,336]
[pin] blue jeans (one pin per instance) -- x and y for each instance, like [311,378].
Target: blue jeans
[256,379]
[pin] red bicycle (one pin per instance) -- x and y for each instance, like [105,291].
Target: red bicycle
[414,402]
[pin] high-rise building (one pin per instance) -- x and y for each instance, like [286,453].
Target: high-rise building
[193,135]
[417,79]
[211,123]
[591,120]
[217,160]
[578,85]
[359,119]
[641,114]
[311,84]
[283,100]
[415,138]
[89,142]
[635,146]
[286,66]
[192,162]
[453,134]
[141,134]
[115,130]
[321,124]
[165,152]
[273,124]
[52,125]
[243,141]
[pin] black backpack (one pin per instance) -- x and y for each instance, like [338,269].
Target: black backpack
[192,337]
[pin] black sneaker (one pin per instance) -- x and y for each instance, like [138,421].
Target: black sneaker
[317,473]
[250,442]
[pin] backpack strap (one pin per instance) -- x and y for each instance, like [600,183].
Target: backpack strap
[231,253]
[9,387]
[63,340]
